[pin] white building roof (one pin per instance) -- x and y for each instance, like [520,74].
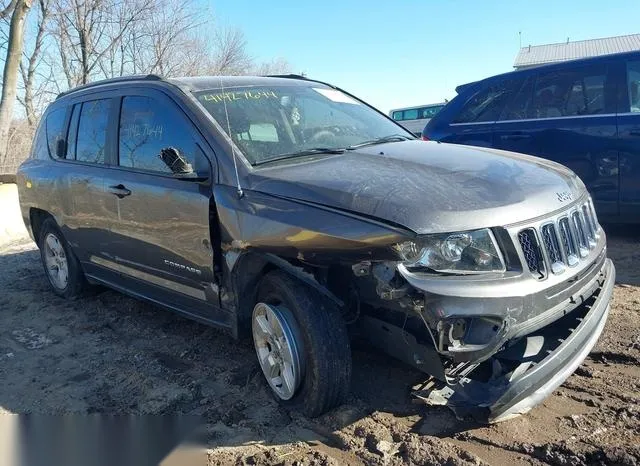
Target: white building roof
[533,55]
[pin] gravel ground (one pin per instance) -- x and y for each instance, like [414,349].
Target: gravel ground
[112,354]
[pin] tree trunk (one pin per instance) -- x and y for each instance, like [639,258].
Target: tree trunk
[10,77]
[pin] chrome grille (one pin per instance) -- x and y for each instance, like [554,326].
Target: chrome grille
[564,241]
[532,252]
[583,244]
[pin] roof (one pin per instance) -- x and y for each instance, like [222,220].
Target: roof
[418,106]
[199,83]
[534,55]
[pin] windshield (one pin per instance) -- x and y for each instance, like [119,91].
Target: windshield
[276,122]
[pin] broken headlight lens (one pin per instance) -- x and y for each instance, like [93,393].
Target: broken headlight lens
[457,253]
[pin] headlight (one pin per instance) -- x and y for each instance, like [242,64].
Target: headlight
[459,253]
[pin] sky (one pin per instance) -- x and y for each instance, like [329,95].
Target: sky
[404,53]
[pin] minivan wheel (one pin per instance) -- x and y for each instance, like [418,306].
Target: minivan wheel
[302,345]
[60,264]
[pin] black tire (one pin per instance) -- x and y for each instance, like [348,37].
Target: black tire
[76,282]
[326,350]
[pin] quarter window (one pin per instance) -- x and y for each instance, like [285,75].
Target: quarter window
[487,104]
[92,131]
[154,137]
[633,85]
[55,131]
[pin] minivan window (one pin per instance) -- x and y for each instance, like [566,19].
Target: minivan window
[487,104]
[55,129]
[633,85]
[92,131]
[572,92]
[430,112]
[269,122]
[154,137]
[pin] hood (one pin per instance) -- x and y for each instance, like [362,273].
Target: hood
[427,187]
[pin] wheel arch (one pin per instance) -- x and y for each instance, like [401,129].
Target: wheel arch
[36,218]
[247,271]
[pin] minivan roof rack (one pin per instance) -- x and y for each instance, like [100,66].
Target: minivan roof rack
[133,77]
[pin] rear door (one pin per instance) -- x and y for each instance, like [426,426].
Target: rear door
[87,146]
[568,115]
[629,133]
[160,191]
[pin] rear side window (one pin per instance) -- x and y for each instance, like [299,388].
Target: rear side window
[571,92]
[487,104]
[55,131]
[633,85]
[92,131]
[155,137]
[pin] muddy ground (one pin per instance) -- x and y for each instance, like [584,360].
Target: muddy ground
[112,354]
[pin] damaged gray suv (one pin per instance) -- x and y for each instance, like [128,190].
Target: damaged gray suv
[289,211]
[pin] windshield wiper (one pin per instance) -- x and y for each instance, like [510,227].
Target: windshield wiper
[390,138]
[301,153]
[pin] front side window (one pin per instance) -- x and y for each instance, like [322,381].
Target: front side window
[55,131]
[92,131]
[487,104]
[269,122]
[397,116]
[633,85]
[572,92]
[153,136]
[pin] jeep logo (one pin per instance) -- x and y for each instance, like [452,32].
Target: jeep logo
[564,196]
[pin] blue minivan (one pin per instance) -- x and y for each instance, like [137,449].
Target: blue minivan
[584,114]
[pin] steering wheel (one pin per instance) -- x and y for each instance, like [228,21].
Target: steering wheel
[323,136]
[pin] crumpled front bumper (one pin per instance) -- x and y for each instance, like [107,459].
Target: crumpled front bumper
[547,357]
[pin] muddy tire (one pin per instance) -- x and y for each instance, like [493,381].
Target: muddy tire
[302,345]
[61,266]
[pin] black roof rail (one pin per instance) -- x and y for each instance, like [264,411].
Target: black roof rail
[289,76]
[133,77]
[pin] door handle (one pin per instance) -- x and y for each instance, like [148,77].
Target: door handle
[634,133]
[515,136]
[120,191]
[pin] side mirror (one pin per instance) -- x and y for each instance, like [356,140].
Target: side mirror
[175,161]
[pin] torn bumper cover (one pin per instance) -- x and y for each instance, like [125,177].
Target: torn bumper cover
[523,374]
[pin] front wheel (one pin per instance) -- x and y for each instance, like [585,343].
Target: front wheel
[302,345]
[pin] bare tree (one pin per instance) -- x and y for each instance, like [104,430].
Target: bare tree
[230,53]
[88,31]
[10,76]
[29,63]
[275,66]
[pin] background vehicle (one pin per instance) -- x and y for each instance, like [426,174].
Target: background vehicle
[415,118]
[584,114]
[287,209]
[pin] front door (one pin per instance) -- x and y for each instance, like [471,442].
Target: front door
[160,187]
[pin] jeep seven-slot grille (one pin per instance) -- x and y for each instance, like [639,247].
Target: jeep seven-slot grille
[531,250]
[561,243]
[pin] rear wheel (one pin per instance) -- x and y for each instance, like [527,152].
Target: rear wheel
[60,264]
[302,345]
